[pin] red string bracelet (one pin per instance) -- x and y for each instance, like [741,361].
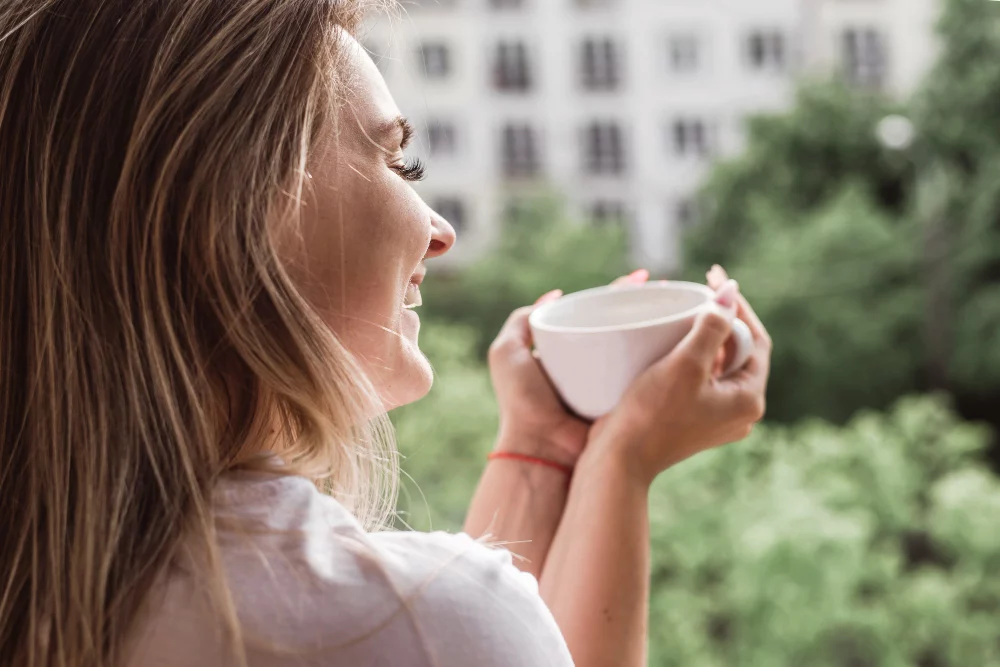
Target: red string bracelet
[492,456]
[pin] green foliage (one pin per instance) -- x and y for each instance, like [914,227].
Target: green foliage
[828,233]
[794,163]
[871,544]
[814,220]
[539,249]
[958,113]
[958,109]
[840,292]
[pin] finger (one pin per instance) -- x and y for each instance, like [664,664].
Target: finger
[637,277]
[724,358]
[549,296]
[739,398]
[720,360]
[716,276]
[727,294]
[516,329]
[705,339]
[751,377]
[745,312]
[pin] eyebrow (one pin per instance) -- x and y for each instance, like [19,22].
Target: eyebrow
[398,124]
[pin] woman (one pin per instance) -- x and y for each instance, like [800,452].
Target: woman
[210,254]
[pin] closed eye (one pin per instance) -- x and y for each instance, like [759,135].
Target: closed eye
[410,170]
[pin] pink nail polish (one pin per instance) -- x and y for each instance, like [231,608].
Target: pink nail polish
[726,297]
[549,296]
[638,276]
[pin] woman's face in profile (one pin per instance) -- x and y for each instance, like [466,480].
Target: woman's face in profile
[366,234]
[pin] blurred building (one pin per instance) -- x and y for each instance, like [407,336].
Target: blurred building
[618,105]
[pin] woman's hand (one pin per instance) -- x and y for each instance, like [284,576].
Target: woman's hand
[681,406]
[533,420]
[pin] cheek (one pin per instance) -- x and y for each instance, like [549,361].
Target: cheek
[360,244]
[385,238]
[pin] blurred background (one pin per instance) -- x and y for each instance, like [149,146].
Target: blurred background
[841,158]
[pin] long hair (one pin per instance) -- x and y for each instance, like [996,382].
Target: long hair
[153,153]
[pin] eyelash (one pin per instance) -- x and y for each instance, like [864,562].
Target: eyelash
[410,170]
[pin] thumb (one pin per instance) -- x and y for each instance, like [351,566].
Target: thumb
[516,331]
[709,333]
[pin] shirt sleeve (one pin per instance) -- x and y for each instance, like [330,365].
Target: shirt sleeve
[468,604]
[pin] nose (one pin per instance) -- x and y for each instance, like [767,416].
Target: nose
[442,236]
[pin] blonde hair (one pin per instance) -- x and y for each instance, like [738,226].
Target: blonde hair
[151,154]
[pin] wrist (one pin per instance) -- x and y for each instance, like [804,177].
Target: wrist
[535,446]
[606,456]
[532,460]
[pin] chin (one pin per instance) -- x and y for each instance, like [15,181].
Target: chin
[410,382]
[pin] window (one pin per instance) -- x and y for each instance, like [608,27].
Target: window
[441,137]
[451,209]
[511,71]
[690,137]
[683,54]
[766,50]
[864,58]
[436,59]
[520,151]
[608,212]
[601,64]
[604,150]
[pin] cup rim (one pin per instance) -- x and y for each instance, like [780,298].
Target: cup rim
[534,320]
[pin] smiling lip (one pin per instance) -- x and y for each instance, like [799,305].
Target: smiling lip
[411,297]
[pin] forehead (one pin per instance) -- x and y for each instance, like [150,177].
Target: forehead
[369,106]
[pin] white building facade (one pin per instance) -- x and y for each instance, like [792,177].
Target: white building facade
[619,106]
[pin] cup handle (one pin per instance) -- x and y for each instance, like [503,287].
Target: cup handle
[744,347]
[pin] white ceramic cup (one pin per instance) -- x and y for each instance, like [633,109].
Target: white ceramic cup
[594,343]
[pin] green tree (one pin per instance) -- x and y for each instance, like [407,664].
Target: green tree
[815,545]
[814,221]
[921,277]
[793,164]
[872,544]
[840,291]
[957,115]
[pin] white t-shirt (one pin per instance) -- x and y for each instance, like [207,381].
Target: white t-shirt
[313,585]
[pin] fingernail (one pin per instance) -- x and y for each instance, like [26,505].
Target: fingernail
[726,296]
[549,296]
[638,276]
[717,270]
